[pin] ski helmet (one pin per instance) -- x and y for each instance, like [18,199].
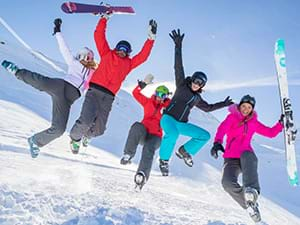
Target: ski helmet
[85,54]
[199,78]
[248,99]
[124,46]
[162,91]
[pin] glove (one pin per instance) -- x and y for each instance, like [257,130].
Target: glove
[214,150]
[281,120]
[152,29]
[147,80]
[177,38]
[107,15]
[228,101]
[57,22]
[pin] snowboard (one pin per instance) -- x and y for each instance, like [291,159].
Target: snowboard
[286,107]
[74,7]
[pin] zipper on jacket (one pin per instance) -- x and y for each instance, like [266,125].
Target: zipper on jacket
[186,107]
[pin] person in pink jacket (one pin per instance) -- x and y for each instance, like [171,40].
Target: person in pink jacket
[239,158]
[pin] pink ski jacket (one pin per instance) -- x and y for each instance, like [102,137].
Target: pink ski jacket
[240,130]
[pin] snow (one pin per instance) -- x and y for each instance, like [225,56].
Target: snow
[93,188]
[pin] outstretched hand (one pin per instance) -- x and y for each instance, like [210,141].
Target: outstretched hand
[177,37]
[152,29]
[57,24]
[214,150]
[228,101]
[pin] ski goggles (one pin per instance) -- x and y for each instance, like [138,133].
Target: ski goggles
[199,82]
[123,48]
[161,95]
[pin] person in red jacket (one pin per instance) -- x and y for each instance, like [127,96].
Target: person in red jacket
[147,132]
[106,81]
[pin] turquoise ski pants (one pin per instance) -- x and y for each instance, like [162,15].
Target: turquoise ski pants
[172,129]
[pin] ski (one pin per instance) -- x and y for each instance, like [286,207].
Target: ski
[286,107]
[74,7]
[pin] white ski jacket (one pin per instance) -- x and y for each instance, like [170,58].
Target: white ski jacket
[77,74]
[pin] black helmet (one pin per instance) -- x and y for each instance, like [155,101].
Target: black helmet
[199,78]
[124,46]
[248,99]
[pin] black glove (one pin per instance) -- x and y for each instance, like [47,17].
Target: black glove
[228,101]
[57,23]
[142,84]
[214,150]
[281,120]
[177,38]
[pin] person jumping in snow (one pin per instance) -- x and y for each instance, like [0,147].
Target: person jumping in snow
[115,65]
[62,91]
[175,118]
[147,132]
[239,157]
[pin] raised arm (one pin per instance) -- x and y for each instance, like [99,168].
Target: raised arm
[63,47]
[178,66]
[142,99]
[100,37]
[202,104]
[148,45]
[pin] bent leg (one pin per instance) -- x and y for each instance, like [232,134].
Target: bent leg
[168,142]
[152,143]
[199,137]
[231,171]
[136,133]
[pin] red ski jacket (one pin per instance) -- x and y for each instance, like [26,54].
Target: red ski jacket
[113,69]
[152,111]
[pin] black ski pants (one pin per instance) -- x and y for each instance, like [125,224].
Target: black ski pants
[139,135]
[63,95]
[233,167]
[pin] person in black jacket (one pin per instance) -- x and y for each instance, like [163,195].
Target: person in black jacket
[175,117]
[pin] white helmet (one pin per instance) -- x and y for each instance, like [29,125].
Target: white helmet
[85,54]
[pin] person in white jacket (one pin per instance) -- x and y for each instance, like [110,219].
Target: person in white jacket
[62,91]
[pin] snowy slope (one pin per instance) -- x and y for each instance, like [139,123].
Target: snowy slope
[92,188]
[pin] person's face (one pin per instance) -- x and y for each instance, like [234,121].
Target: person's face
[159,99]
[121,54]
[246,109]
[195,86]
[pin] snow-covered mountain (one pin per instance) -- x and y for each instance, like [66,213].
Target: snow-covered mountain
[93,188]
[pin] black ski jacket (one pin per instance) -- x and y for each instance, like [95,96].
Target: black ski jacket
[184,98]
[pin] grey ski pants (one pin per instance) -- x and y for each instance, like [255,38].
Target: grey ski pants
[94,115]
[138,135]
[63,95]
[247,165]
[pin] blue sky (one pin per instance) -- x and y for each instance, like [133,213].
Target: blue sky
[229,40]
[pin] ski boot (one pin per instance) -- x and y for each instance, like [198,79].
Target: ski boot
[140,179]
[183,154]
[251,196]
[10,67]
[164,167]
[85,141]
[126,159]
[33,147]
[75,146]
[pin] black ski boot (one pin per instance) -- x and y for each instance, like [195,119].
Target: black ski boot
[164,167]
[183,154]
[251,196]
[140,179]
